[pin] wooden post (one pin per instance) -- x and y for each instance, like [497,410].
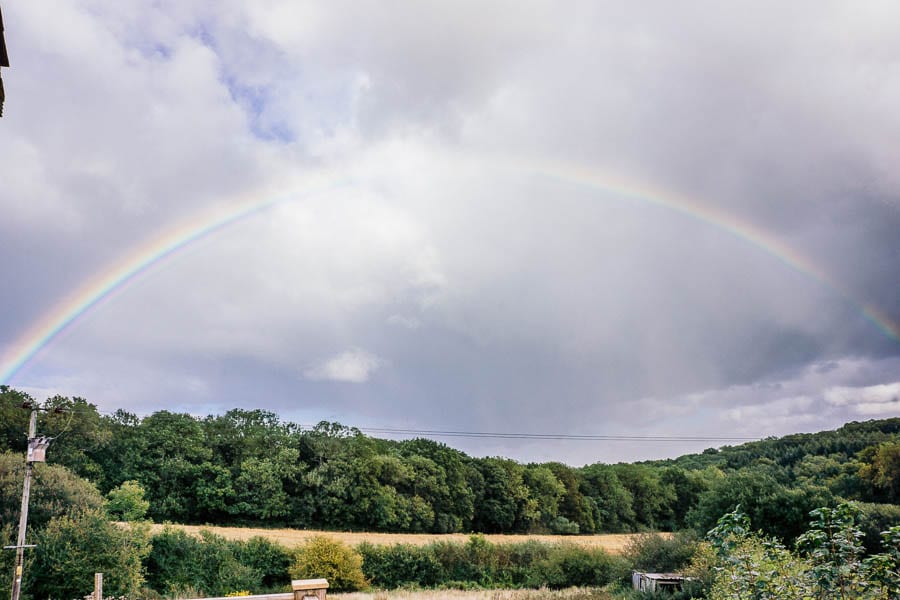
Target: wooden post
[98,586]
[23,512]
[310,589]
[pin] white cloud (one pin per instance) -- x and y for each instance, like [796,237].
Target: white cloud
[871,401]
[353,366]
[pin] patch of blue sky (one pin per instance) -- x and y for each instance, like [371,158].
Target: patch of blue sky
[253,100]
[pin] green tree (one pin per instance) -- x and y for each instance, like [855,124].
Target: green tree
[771,507]
[14,419]
[444,479]
[882,471]
[612,501]
[74,547]
[652,499]
[574,505]
[127,503]
[55,491]
[546,491]
[504,505]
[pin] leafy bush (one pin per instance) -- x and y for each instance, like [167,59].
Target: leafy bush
[127,503]
[828,564]
[569,565]
[324,557]
[873,519]
[655,553]
[172,564]
[270,561]
[179,563]
[399,565]
[563,526]
[478,563]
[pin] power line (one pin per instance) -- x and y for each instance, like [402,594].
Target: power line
[508,435]
[556,436]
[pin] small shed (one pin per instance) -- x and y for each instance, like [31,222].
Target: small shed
[309,589]
[657,582]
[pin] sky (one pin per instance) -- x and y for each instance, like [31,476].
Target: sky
[578,218]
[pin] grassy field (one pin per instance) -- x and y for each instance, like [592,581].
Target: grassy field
[570,594]
[613,543]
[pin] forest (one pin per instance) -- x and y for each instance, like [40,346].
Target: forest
[248,467]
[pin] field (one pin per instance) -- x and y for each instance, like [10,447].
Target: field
[570,594]
[614,543]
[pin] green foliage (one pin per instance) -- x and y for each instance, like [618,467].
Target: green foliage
[655,553]
[834,549]
[269,561]
[563,526]
[172,565]
[126,502]
[72,548]
[248,467]
[55,491]
[324,557]
[400,565]
[478,563]
[775,509]
[211,565]
[882,471]
[873,520]
[13,419]
[611,502]
[828,563]
[569,565]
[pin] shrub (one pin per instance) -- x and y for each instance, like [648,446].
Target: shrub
[399,565]
[875,518]
[270,561]
[515,562]
[569,565]
[653,552]
[179,563]
[479,563]
[563,526]
[127,503]
[172,564]
[324,557]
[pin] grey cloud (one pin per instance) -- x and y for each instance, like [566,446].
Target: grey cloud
[486,295]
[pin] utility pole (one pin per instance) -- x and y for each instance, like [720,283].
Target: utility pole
[37,449]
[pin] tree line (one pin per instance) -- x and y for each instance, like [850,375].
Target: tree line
[248,467]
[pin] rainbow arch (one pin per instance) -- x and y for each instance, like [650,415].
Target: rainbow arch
[144,257]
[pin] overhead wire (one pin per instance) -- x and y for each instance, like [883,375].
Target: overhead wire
[505,435]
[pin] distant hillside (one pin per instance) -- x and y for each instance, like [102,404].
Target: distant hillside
[841,444]
[247,467]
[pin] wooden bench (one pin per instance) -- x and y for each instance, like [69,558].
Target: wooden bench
[309,589]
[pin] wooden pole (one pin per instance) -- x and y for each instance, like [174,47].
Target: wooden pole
[98,586]
[23,513]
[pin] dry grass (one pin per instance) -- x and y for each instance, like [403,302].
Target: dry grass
[569,594]
[614,543]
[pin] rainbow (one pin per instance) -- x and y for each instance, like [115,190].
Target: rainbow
[93,292]
[138,262]
[639,192]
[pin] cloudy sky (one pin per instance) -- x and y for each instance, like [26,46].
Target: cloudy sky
[579,218]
